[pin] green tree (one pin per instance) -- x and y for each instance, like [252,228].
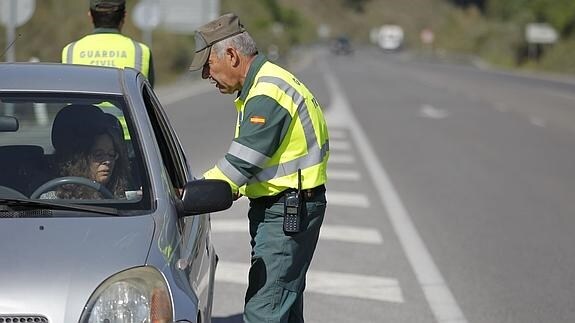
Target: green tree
[466,3]
[356,5]
[506,9]
[559,13]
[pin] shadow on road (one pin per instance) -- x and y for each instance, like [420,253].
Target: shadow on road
[230,319]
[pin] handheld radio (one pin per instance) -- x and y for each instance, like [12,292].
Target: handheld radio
[293,209]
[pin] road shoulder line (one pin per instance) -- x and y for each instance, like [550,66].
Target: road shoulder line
[438,295]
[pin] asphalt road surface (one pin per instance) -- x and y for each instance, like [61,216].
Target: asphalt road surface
[451,191]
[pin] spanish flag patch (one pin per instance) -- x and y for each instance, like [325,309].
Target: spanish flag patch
[258,120]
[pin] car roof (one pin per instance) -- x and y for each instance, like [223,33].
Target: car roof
[56,77]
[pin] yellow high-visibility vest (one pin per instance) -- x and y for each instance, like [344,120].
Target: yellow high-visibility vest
[305,146]
[108,49]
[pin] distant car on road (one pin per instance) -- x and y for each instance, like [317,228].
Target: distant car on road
[388,37]
[341,46]
[142,255]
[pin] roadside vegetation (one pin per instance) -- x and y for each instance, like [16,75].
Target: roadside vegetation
[492,30]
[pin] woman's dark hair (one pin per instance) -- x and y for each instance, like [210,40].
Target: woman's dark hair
[108,18]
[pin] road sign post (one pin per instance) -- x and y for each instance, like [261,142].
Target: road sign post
[147,16]
[14,13]
[537,34]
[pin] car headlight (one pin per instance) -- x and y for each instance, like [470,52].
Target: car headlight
[138,295]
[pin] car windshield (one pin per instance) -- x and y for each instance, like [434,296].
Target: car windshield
[74,149]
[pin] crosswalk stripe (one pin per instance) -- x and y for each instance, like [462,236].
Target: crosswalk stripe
[327,283]
[340,174]
[337,134]
[339,145]
[225,226]
[341,233]
[350,234]
[347,199]
[335,158]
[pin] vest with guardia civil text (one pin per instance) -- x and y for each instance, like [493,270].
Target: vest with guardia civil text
[108,49]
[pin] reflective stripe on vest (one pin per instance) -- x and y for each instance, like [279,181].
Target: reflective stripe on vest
[248,154]
[315,154]
[139,56]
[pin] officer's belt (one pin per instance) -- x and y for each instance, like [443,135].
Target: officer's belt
[308,195]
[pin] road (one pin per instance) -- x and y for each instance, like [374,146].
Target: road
[451,192]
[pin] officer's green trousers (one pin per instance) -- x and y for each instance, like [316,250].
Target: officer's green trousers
[279,262]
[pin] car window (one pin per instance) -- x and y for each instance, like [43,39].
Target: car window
[170,148]
[71,148]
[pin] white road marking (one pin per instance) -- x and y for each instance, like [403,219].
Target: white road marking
[350,234]
[327,283]
[337,134]
[338,158]
[438,295]
[346,199]
[340,174]
[536,121]
[342,233]
[339,145]
[170,96]
[501,107]
[431,112]
[229,226]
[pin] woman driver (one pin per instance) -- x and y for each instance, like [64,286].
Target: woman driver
[88,143]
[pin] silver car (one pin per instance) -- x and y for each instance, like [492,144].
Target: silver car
[101,219]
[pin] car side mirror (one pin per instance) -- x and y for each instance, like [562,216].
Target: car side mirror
[205,196]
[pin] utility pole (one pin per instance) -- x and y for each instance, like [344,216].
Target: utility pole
[11,32]
[14,13]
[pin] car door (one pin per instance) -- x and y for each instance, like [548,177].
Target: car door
[196,257]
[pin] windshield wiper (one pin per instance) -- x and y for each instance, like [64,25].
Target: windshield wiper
[47,204]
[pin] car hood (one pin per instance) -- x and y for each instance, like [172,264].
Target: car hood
[51,266]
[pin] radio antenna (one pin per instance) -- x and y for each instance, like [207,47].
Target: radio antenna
[11,44]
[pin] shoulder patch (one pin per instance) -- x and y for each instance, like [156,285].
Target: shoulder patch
[258,120]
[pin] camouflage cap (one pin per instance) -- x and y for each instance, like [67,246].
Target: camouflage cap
[214,31]
[106,4]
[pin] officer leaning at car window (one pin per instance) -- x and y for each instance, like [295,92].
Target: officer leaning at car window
[277,159]
[106,45]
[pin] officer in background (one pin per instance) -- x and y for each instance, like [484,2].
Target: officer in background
[278,159]
[106,46]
